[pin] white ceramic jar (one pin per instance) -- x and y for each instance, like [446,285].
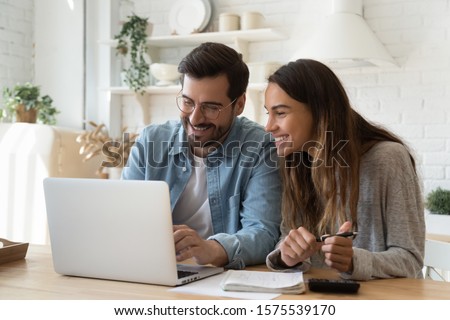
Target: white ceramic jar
[251,20]
[229,22]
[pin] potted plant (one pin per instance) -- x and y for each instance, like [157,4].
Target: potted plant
[24,103]
[132,40]
[438,204]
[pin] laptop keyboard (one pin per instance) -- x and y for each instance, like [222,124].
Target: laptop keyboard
[183,274]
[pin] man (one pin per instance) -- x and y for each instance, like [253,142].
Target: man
[221,169]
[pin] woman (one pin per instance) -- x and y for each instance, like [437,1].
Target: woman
[341,174]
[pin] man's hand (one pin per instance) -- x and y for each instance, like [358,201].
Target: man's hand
[188,244]
[298,245]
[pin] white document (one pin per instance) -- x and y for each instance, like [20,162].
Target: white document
[262,281]
[211,287]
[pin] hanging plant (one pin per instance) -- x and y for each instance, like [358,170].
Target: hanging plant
[132,40]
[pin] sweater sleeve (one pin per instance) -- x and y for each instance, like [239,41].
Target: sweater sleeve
[391,224]
[274,263]
[273,259]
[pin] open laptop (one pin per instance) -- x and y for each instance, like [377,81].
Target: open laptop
[115,229]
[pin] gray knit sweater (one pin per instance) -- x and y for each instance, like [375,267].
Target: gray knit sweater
[391,227]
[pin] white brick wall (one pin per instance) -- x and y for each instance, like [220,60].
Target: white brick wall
[413,100]
[16,42]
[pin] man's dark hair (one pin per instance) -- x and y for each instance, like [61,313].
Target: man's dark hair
[212,59]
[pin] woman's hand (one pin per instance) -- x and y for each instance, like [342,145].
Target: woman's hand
[339,250]
[298,245]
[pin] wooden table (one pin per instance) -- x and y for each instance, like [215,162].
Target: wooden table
[34,278]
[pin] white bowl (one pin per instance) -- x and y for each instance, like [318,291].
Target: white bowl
[166,74]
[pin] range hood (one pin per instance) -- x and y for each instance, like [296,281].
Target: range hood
[345,40]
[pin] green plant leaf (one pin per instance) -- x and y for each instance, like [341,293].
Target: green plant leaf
[438,201]
[29,95]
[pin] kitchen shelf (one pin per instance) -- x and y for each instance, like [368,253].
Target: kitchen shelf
[253,35]
[240,38]
[155,90]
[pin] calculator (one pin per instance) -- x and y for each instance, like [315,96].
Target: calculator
[332,285]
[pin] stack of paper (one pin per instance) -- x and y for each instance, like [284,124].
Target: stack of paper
[261,281]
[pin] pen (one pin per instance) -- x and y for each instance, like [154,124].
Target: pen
[343,234]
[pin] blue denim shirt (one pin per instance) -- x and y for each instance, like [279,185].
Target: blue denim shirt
[244,188]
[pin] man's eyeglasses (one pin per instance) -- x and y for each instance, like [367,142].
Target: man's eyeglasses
[211,111]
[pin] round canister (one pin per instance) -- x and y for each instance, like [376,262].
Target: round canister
[251,20]
[228,22]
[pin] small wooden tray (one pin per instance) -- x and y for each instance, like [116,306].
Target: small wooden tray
[12,251]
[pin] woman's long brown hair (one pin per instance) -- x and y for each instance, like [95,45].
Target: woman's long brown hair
[322,191]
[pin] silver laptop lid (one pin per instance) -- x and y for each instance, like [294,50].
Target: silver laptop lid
[111,229]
